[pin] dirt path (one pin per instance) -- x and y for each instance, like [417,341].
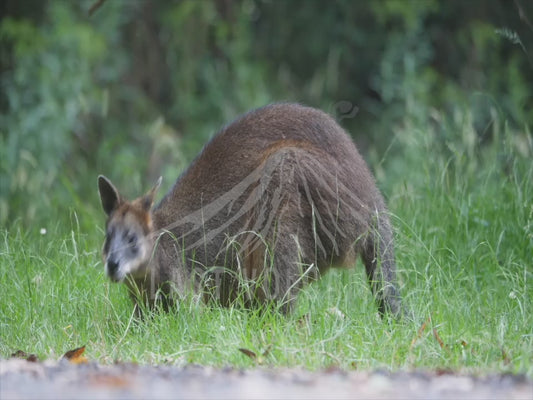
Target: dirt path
[21,379]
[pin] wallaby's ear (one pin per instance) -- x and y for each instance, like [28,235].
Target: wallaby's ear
[108,194]
[148,198]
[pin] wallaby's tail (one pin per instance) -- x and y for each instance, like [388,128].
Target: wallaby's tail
[378,257]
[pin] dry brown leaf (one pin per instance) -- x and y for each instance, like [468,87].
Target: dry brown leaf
[76,356]
[259,359]
[443,371]
[332,369]
[111,381]
[25,356]
[249,353]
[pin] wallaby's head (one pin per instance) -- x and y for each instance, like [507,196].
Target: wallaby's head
[129,231]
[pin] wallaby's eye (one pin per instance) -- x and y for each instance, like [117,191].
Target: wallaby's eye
[132,239]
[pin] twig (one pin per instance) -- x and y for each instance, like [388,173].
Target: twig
[439,340]
[95,7]
[420,332]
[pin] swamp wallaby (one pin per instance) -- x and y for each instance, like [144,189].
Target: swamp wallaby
[272,201]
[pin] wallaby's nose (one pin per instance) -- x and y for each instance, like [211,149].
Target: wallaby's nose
[112,267]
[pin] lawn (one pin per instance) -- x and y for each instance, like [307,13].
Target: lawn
[463,220]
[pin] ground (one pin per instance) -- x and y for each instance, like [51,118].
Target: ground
[22,379]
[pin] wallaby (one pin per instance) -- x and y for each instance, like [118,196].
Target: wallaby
[272,201]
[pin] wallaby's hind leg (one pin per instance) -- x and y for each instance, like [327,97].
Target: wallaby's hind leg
[378,257]
[291,270]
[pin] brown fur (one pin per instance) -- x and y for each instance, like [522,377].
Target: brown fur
[273,200]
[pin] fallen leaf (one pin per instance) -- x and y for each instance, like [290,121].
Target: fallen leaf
[111,381]
[248,353]
[259,359]
[443,371]
[76,356]
[332,368]
[25,356]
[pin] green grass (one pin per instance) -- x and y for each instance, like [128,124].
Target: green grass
[464,232]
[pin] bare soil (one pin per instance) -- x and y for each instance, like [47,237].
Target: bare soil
[22,379]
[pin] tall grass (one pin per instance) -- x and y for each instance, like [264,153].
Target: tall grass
[463,214]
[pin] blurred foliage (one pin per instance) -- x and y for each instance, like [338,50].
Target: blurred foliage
[134,90]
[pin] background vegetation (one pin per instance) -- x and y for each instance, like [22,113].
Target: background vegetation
[438,96]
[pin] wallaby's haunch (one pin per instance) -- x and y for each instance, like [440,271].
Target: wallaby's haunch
[271,202]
